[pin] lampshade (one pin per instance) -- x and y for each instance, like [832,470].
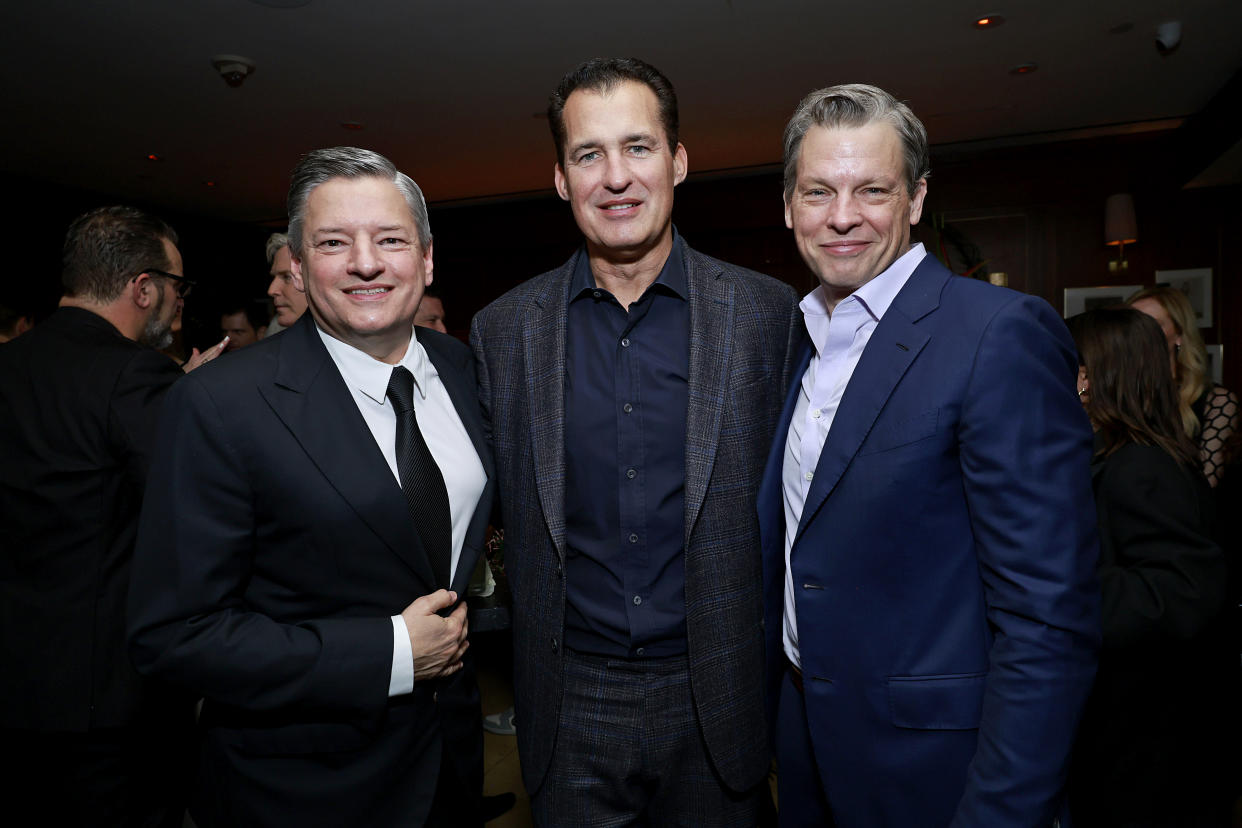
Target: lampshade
[1119,224]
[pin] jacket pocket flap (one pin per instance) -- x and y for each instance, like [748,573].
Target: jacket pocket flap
[951,702]
[894,435]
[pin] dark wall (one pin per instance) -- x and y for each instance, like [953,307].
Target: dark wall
[1035,213]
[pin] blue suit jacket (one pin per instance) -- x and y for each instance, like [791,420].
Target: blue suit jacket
[947,607]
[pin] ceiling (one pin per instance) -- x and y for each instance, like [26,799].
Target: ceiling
[454,90]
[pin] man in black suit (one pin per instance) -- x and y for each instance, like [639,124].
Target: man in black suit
[87,740]
[319,502]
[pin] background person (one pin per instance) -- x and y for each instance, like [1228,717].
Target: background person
[1208,412]
[288,300]
[1156,746]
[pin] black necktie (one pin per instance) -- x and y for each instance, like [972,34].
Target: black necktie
[421,479]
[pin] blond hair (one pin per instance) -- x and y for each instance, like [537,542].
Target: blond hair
[1191,357]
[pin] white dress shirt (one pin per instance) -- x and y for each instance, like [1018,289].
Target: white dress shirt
[839,337]
[367,379]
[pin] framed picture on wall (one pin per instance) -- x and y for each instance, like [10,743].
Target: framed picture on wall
[1078,300]
[1197,285]
[1215,360]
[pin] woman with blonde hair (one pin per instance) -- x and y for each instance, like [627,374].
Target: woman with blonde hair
[1208,412]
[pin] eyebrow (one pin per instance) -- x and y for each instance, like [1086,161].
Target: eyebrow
[629,139]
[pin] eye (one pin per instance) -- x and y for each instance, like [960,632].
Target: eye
[638,149]
[588,157]
[330,244]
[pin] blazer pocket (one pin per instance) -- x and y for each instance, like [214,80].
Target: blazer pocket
[895,435]
[950,702]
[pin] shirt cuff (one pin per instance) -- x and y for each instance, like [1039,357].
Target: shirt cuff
[401,680]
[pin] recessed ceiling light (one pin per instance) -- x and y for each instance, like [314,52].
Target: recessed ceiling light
[988,21]
[1024,69]
[353,125]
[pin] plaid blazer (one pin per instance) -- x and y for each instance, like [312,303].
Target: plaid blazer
[744,331]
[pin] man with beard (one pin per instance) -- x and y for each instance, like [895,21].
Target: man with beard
[93,743]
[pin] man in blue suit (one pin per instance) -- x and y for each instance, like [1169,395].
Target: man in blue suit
[931,612]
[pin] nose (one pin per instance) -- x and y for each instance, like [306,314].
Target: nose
[617,174]
[273,287]
[364,260]
[843,214]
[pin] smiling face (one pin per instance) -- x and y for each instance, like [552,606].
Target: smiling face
[289,301]
[850,210]
[361,266]
[619,172]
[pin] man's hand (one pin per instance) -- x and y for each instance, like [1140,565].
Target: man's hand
[196,359]
[437,643]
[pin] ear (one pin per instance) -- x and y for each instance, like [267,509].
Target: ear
[295,270]
[143,291]
[916,201]
[558,180]
[681,164]
[428,263]
[788,213]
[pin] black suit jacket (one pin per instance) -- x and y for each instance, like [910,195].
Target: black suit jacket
[274,545]
[1154,747]
[78,407]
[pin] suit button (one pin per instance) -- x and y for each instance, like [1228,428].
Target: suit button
[559,573]
[554,644]
[631,473]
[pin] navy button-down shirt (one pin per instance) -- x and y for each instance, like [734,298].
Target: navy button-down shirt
[625,465]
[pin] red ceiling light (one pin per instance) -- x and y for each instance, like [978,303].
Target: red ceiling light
[355,126]
[210,183]
[153,157]
[1024,69]
[988,21]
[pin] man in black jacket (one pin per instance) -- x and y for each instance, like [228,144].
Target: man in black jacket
[88,741]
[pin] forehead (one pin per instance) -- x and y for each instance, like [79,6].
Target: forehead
[350,202]
[280,262]
[174,258]
[629,108]
[873,149]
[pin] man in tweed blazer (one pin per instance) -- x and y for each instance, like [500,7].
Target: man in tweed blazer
[632,394]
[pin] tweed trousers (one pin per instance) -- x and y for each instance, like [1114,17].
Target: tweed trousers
[629,751]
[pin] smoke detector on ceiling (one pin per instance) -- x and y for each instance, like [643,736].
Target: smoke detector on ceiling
[233,68]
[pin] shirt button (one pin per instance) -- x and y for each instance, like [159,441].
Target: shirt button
[639,651]
[631,474]
[633,538]
[625,343]
[815,413]
[595,294]
[638,600]
[627,408]
[809,475]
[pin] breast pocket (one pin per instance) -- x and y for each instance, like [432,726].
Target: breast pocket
[888,436]
[948,702]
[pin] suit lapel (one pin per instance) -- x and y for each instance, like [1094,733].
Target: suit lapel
[310,397]
[544,343]
[711,344]
[893,347]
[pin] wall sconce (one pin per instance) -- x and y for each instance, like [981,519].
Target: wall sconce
[1120,228]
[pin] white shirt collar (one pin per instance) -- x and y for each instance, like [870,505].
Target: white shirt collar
[369,375]
[873,297]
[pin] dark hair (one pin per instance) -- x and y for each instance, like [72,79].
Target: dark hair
[322,165]
[107,247]
[856,105]
[256,312]
[1132,397]
[603,75]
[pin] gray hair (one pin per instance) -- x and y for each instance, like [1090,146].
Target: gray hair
[323,165]
[274,243]
[855,105]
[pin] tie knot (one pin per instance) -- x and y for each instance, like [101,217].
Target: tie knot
[401,390]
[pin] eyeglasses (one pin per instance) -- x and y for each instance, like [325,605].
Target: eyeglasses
[184,285]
